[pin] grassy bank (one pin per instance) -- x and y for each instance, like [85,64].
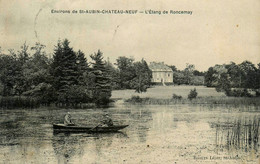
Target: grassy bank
[236,101]
[166,92]
[15,102]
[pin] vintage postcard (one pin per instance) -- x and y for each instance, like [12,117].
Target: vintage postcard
[133,81]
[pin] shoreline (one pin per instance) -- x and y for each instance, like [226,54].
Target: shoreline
[234,101]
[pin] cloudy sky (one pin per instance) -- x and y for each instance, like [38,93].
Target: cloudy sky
[217,32]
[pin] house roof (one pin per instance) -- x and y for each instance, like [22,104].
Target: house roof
[160,66]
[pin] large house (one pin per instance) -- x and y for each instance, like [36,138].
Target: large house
[161,73]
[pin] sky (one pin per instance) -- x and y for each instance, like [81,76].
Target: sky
[217,32]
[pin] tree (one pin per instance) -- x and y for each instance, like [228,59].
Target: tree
[143,76]
[114,74]
[82,67]
[126,71]
[209,79]
[64,70]
[247,74]
[22,74]
[235,75]
[198,73]
[188,72]
[9,70]
[193,94]
[179,78]
[102,88]
[37,76]
[173,67]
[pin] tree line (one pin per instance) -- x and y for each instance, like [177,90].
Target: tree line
[67,78]
[239,80]
[188,76]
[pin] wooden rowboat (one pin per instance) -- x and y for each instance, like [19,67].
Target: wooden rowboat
[98,129]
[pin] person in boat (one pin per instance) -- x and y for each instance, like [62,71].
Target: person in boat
[107,122]
[67,120]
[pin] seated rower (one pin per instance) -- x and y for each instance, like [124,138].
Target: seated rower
[107,122]
[67,120]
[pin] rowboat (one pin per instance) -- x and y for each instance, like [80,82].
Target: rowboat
[97,129]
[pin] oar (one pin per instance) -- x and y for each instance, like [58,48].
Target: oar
[95,127]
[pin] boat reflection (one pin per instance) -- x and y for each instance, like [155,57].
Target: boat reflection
[67,146]
[72,146]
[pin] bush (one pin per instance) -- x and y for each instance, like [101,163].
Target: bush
[239,93]
[193,94]
[174,96]
[134,99]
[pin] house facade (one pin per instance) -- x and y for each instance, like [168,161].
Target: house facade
[161,73]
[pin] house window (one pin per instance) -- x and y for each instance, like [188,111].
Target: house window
[169,75]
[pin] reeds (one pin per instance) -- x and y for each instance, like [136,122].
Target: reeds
[241,134]
[235,101]
[19,102]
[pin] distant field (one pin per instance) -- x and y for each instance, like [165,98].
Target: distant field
[165,92]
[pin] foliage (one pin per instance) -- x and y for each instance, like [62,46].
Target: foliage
[188,76]
[193,94]
[114,73]
[197,80]
[67,79]
[9,70]
[102,91]
[173,67]
[188,73]
[64,68]
[137,99]
[133,75]
[143,75]
[82,66]
[11,102]
[178,78]
[239,93]
[174,96]
[126,71]
[233,78]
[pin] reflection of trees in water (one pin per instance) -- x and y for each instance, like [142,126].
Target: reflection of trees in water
[240,134]
[67,146]
[103,140]
[142,118]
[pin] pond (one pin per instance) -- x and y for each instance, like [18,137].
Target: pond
[156,134]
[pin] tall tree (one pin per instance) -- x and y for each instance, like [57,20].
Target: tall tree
[102,90]
[64,69]
[143,76]
[36,75]
[188,72]
[126,71]
[82,66]
[9,71]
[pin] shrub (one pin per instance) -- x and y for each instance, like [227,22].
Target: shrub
[193,94]
[135,99]
[257,93]
[239,93]
[174,96]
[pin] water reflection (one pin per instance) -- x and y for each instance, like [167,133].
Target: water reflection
[66,146]
[69,147]
[156,134]
[141,119]
[241,134]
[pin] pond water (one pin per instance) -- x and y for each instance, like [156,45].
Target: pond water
[156,134]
